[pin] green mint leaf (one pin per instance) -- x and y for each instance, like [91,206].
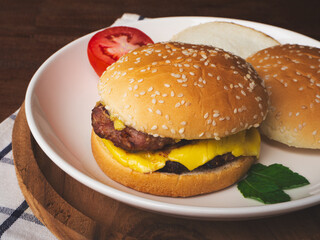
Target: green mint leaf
[261,189]
[280,175]
[257,167]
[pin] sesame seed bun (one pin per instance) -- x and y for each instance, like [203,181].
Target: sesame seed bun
[184,91]
[240,40]
[166,184]
[292,77]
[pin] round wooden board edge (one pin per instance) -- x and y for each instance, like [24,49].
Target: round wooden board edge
[64,221]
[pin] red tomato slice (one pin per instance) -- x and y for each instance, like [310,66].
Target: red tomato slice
[108,45]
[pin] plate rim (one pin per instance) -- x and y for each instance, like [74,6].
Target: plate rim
[199,212]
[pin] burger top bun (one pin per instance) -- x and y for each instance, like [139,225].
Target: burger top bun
[240,40]
[185,91]
[292,77]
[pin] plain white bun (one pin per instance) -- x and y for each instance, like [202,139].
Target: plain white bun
[238,39]
[292,77]
[184,91]
[165,184]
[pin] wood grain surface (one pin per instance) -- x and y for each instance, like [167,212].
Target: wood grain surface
[32,30]
[73,211]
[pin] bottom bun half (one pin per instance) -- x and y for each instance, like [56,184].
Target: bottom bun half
[168,184]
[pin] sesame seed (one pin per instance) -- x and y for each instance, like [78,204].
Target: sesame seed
[237,97]
[131,80]
[214,123]
[235,110]
[154,101]
[314,132]
[184,85]
[256,125]
[160,101]
[181,130]
[150,89]
[164,127]
[201,134]
[135,87]
[154,70]
[192,73]
[215,115]
[142,93]
[183,123]
[206,115]
[167,85]
[157,93]
[172,93]
[298,113]
[158,112]
[150,110]
[177,104]
[154,127]
[126,106]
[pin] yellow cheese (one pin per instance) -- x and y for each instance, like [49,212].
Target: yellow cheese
[117,124]
[141,162]
[245,143]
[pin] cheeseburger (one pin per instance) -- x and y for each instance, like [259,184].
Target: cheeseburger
[178,119]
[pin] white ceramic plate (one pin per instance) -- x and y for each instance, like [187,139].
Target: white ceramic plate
[58,104]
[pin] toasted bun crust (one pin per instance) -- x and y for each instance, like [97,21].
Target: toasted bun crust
[185,91]
[165,184]
[240,40]
[292,77]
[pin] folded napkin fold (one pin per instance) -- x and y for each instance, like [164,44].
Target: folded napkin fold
[16,219]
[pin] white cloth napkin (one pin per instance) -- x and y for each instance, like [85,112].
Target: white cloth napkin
[16,219]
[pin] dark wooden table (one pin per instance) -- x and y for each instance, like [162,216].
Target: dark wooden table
[31,31]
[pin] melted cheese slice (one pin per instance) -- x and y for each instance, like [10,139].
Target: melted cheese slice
[245,143]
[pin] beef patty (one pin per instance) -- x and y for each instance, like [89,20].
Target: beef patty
[128,138]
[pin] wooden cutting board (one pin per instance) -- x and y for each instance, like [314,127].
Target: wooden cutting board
[71,210]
